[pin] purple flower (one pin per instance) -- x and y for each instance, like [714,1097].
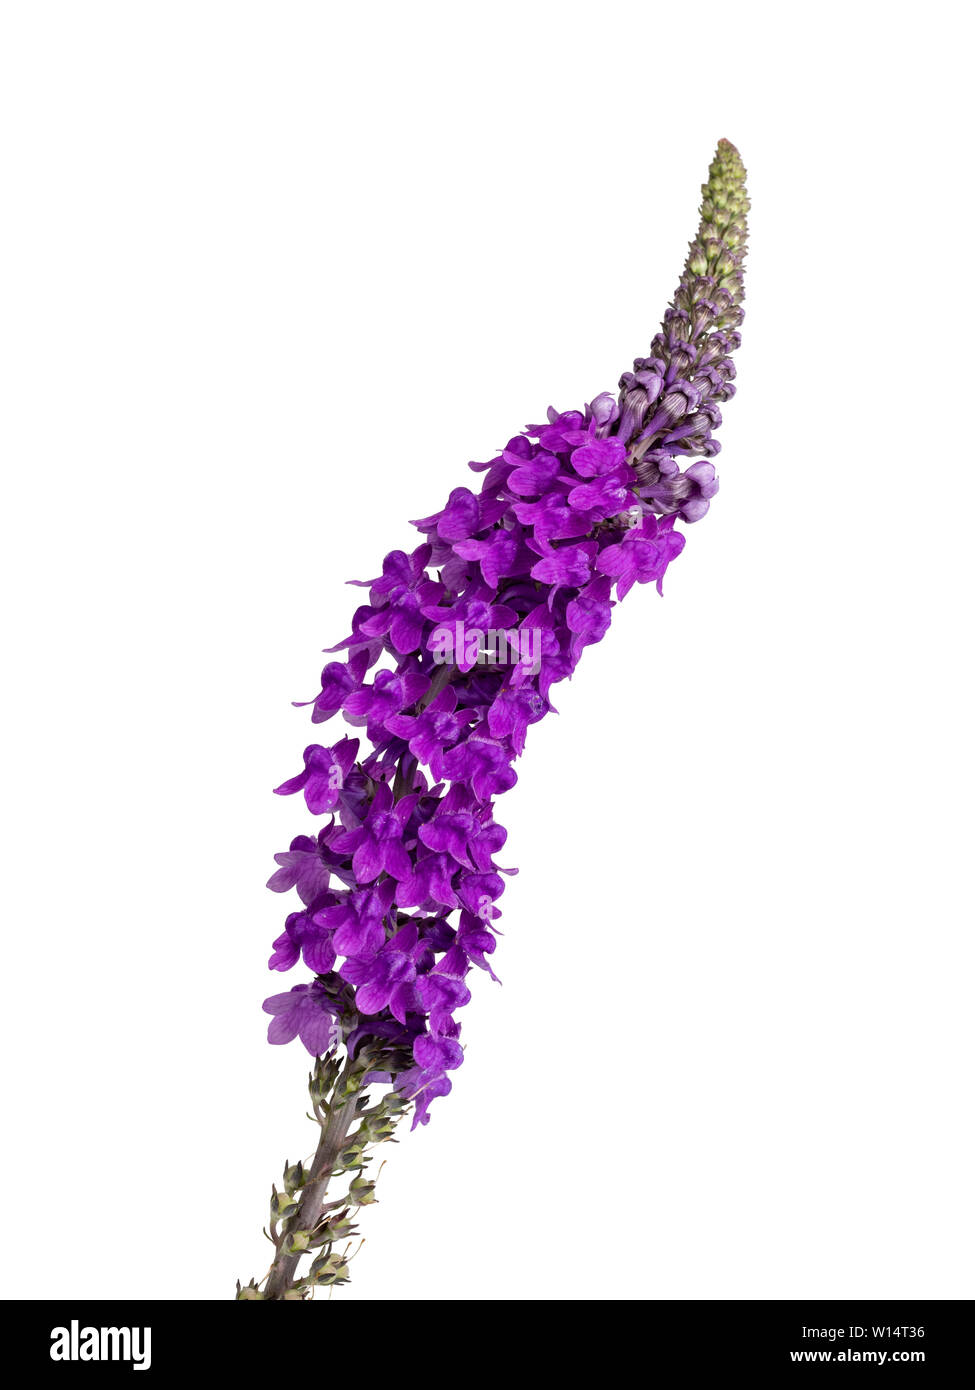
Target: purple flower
[376,845]
[304,1012]
[477,892]
[389,694]
[688,493]
[306,936]
[306,865]
[339,679]
[601,498]
[433,730]
[442,990]
[599,457]
[552,519]
[326,770]
[287,948]
[462,627]
[358,921]
[423,1087]
[514,708]
[476,940]
[399,594]
[643,554]
[602,413]
[536,476]
[568,566]
[461,828]
[437,1054]
[561,430]
[497,554]
[386,979]
[675,404]
[431,881]
[588,615]
[484,763]
[459,519]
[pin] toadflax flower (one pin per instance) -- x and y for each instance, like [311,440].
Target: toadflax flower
[448,666]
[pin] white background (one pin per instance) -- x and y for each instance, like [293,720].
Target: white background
[272,273]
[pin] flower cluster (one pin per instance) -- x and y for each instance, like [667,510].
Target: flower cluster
[399,888]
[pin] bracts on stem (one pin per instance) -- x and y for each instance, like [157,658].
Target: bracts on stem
[302,1222]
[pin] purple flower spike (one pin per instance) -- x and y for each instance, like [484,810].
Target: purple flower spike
[464,637]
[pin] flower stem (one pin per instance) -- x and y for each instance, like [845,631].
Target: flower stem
[334,1133]
[352,1120]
